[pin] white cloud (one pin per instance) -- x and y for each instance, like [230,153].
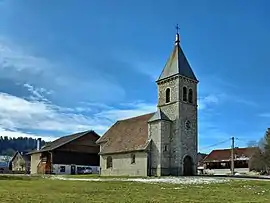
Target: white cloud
[37,93]
[18,113]
[207,101]
[14,58]
[130,110]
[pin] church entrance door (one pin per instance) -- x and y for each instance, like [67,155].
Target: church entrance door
[188,166]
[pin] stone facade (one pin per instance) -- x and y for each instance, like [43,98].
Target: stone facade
[179,141]
[122,164]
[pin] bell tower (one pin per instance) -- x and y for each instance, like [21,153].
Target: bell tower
[177,115]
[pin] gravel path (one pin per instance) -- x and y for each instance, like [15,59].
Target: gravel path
[171,180]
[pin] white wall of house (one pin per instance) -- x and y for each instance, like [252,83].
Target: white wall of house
[64,169]
[122,166]
[225,171]
[35,159]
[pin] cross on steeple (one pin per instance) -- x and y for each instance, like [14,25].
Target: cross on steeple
[177,39]
[177,29]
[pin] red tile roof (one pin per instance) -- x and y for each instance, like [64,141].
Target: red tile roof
[126,135]
[225,154]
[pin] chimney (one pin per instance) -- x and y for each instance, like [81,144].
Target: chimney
[38,143]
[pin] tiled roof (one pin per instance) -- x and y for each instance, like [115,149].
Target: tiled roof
[177,64]
[159,115]
[63,140]
[126,135]
[225,154]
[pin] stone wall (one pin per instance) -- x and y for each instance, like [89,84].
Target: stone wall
[183,141]
[159,132]
[189,137]
[122,166]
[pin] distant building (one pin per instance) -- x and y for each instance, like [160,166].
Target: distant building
[70,154]
[218,162]
[200,167]
[20,163]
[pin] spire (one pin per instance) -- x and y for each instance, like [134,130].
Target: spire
[177,63]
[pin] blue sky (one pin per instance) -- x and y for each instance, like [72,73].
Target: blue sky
[72,65]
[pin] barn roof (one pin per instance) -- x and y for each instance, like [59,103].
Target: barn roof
[126,135]
[225,154]
[64,140]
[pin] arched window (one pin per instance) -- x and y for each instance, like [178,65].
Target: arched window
[185,94]
[190,96]
[133,157]
[109,162]
[168,95]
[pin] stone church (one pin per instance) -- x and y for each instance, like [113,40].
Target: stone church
[160,143]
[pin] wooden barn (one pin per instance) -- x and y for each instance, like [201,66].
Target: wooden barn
[72,154]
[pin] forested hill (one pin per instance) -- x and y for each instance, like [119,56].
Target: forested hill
[8,146]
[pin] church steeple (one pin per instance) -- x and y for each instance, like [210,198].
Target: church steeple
[177,63]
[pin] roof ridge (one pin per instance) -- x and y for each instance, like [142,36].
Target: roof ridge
[234,148]
[135,117]
[64,140]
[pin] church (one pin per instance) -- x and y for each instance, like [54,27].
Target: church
[161,143]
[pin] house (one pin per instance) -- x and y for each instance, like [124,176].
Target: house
[200,167]
[218,162]
[20,162]
[67,155]
[163,142]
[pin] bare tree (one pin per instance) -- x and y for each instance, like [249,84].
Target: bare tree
[22,164]
[256,162]
[260,161]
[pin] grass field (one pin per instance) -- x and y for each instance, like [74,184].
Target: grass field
[39,190]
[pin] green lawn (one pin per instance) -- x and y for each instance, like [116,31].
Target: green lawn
[39,190]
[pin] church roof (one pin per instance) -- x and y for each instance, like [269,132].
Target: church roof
[126,135]
[177,64]
[159,115]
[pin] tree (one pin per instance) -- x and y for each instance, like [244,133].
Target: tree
[22,164]
[256,162]
[260,160]
[266,148]
[9,152]
[8,146]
